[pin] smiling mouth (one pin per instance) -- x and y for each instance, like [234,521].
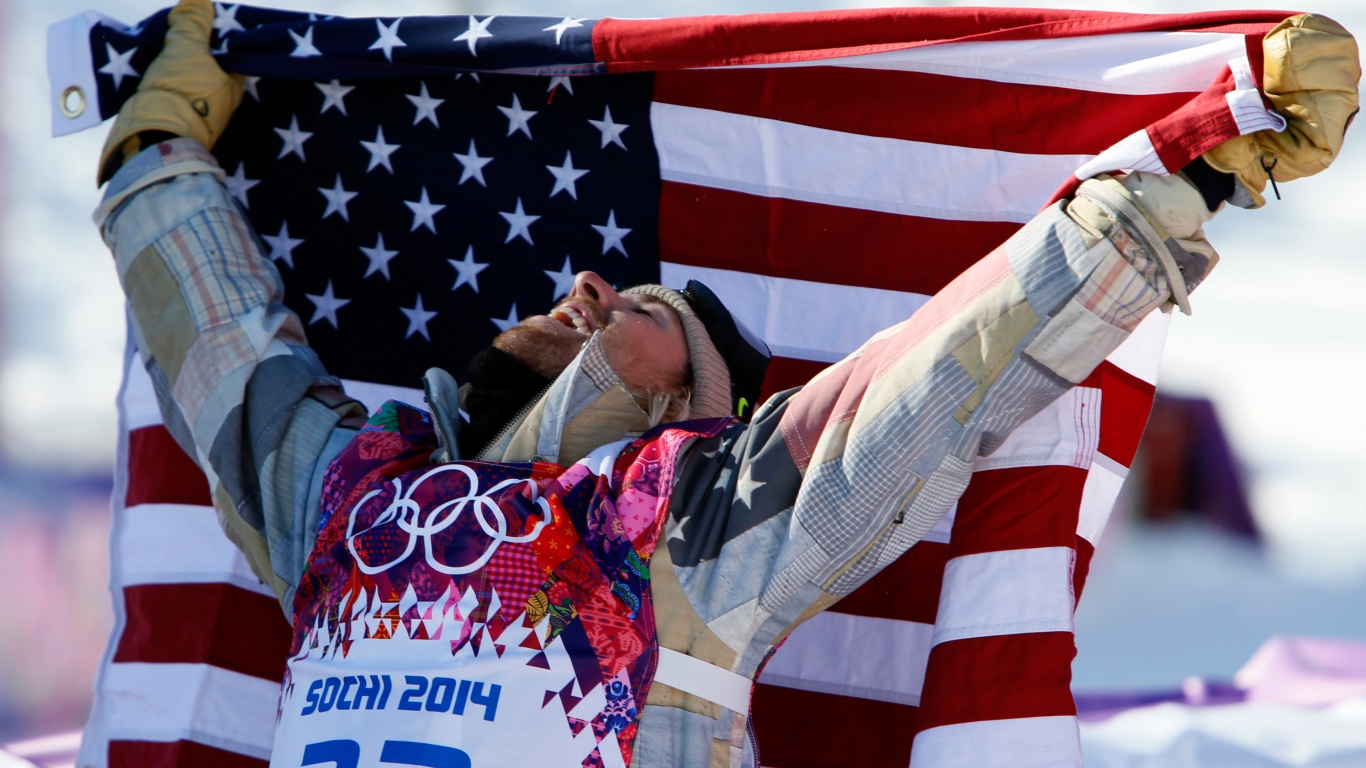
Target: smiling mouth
[572,316]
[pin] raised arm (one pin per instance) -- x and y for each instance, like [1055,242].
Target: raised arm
[238,386]
[833,482]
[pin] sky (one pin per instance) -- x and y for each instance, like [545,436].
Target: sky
[1275,338]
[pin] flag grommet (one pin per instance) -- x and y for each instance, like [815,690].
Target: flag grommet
[73,101]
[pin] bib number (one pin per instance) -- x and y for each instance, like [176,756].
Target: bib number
[345,753]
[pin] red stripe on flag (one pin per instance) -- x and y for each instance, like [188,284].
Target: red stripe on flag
[787,372]
[1196,127]
[161,473]
[633,45]
[994,678]
[907,590]
[1125,404]
[706,227]
[1018,508]
[1004,117]
[804,729]
[217,624]
[176,754]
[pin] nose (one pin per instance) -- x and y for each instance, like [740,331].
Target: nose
[591,285]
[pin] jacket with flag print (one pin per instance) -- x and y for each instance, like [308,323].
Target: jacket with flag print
[762,524]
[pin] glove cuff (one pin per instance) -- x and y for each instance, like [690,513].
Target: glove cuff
[151,111]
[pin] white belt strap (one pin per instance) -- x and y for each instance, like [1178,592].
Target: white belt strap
[707,681]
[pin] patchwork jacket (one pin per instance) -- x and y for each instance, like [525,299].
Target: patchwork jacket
[768,523]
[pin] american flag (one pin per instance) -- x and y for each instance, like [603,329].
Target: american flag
[423,183]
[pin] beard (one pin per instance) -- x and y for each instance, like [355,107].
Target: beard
[548,351]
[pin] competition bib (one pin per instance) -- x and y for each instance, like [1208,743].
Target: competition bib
[477,615]
[410,702]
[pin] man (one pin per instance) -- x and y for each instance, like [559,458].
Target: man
[494,592]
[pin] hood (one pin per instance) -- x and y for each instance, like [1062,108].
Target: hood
[585,407]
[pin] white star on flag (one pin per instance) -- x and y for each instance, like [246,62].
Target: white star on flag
[379,151]
[519,223]
[303,44]
[517,117]
[564,279]
[477,31]
[239,185]
[611,131]
[249,85]
[293,138]
[118,66]
[509,322]
[337,199]
[559,29]
[426,106]
[417,319]
[744,490]
[379,257]
[612,234]
[472,166]
[565,177]
[282,245]
[326,305]
[676,530]
[467,270]
[559,80]
[333,95]
[388,39]
[225,20]
[423,210]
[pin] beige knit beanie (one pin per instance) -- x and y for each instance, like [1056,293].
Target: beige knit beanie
[710,376]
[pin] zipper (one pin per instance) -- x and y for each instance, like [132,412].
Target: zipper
[513,422]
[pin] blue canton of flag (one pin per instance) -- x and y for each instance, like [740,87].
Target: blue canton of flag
[412,219]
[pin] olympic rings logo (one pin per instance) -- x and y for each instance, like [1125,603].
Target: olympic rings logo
[406,514]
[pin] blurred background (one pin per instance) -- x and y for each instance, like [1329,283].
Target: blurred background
[1244,518]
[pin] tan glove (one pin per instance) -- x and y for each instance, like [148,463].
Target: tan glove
[184,91]
[1311,75]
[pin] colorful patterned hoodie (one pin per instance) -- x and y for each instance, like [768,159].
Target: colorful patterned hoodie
[531,580]
[766,524]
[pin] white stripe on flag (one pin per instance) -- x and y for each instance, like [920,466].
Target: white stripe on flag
[196,702]
[139,402]
[141,410]
[1245,102]
[1015,591]
[373,395]
[1026,742]
[1140,355]
[1064,434]
[1134,152]
[1126,63]
[942,532]
[799,318]
[868,658]
[772,158]
[178,544]
[1098,495]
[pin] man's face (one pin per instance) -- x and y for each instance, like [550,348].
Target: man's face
[642,336]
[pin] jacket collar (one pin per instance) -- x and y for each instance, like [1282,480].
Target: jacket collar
[585,407]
